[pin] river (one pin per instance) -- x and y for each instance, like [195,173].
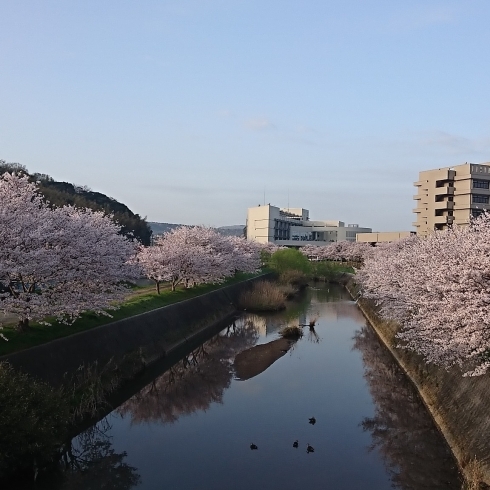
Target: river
[193,425]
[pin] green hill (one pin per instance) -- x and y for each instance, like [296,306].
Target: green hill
[62,193]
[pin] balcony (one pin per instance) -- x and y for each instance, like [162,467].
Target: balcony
[445,190]
[440,220]
[444,205]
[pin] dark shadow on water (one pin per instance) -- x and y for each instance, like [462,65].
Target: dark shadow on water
[401,429]
[253,361]
[88,462]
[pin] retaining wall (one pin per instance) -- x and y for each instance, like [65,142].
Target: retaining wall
[460,406]
[154,332]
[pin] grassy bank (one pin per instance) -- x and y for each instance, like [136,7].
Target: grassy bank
[141,300]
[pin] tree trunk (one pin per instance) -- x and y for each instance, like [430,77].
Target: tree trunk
[23,325]
[158,286]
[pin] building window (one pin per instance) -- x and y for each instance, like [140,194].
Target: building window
[480,198]
[481,184]
[476,212]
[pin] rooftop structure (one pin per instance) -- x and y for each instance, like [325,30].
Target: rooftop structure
[383,236]
[292,227]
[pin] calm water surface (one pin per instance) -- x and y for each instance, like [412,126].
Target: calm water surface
[191,428]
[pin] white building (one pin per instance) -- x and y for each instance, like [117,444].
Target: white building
[292,227]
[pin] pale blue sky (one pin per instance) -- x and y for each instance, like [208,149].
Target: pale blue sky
[187,110]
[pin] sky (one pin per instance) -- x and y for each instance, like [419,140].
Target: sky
[191,111]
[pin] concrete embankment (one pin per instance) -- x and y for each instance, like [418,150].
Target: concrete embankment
[459,406]
[148,336]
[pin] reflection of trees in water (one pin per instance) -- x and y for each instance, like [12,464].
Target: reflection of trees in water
[196,381]
[325,301]
[90,463]
[402,431]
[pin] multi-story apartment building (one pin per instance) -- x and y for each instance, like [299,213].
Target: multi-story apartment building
[292,227]
[451,195]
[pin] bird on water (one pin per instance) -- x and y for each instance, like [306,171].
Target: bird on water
[253,446]
[309,449]
[312,420]
[295,443]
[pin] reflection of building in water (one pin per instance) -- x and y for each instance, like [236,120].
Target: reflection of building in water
[265,325]
[329,304]
[259,322]
[337,310]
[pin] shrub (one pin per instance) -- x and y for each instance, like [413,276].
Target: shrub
[294,278]
[289,259]
[264,296]
[291,332]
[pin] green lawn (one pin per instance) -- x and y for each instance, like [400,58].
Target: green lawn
[141,300]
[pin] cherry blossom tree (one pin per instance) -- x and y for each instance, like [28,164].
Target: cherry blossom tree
[197,255]
[338,251]
[57,262]
[245,254]
[438,290]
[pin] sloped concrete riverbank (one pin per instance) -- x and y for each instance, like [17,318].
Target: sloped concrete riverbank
[142,338]
[458,405]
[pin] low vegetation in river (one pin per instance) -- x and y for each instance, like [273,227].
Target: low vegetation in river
[291,332]
[294,278]
[294,267]
[264,296]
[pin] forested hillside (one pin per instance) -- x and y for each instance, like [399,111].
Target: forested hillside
[61,193]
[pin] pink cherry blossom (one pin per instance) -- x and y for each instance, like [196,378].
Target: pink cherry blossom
[197,255]
[438,290]
[57,262]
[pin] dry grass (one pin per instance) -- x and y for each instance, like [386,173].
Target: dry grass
[288,290]
[264,296]
[294,277]
[291,332]
[473,475]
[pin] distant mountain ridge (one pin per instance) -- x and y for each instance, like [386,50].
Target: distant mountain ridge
[230,230]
